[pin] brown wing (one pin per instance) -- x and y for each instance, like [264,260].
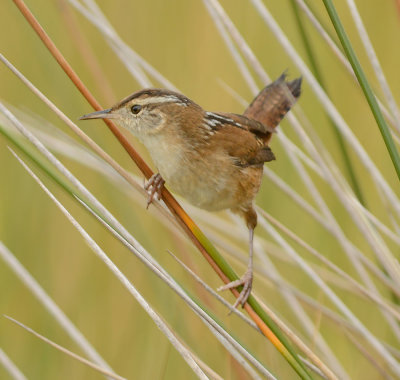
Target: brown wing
[274,101]
[243,139]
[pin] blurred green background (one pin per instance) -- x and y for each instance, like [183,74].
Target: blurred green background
[180,40]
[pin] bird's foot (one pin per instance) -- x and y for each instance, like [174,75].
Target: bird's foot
[154,188]
[247,281]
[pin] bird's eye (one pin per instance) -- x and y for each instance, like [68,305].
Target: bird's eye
[136,109]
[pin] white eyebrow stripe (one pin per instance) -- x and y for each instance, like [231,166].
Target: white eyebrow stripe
[162,99]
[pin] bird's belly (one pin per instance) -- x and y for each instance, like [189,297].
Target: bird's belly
[203,193]
[201,188]
[200,183]
[211,182]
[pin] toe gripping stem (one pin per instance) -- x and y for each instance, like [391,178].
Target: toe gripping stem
[154,188]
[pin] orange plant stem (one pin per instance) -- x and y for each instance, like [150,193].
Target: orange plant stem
[183,218]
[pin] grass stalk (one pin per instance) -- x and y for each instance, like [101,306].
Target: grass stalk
[53,309]
[318,75]
[362,79]
[84,361]
[373,58]
[10,367]
[316,23]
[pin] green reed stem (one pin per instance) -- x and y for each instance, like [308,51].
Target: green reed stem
[318,75]
[362,79]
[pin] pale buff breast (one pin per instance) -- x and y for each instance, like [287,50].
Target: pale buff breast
[200,178]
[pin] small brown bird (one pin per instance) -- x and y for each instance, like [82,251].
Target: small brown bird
[213,159]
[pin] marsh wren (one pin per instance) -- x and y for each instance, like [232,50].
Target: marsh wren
[213,159]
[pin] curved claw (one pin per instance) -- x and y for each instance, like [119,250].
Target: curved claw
[154,188]
[247,281]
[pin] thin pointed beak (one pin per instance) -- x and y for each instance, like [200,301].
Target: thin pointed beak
[103,114]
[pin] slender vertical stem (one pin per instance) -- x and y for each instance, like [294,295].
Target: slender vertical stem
[362,79]
[317,73]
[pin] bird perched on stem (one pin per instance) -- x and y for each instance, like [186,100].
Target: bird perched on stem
[213,159]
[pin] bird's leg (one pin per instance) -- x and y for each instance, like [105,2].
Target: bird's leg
[154,187]
[246,280]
